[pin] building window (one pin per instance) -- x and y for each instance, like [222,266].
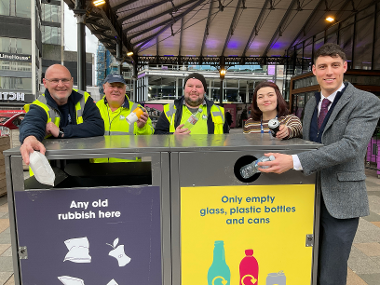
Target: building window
[15,83]
[23,8]
[18,8]
[51,13]
[16,65]
[51,35]
[12,45]
[4,7]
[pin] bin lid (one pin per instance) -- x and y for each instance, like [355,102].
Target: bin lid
[75,148]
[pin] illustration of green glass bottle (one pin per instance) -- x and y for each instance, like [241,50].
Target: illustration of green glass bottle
[219,272]
[193,119]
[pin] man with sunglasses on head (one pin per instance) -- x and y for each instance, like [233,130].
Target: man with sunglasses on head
[61,112]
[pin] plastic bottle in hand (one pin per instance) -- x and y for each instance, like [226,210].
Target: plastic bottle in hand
[252,168]
[193,119]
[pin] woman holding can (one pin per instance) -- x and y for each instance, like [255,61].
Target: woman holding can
[268,104]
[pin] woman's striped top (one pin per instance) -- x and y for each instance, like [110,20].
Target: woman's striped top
[291,121]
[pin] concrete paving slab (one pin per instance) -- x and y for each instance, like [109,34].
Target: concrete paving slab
[5,238]
[4,224]
[4,247]
[5,276]
[11,281]
[6,264]
[361,263]
[353,279]
[367,232]
[373,217]
[369,249]
[8,252]
[371,279]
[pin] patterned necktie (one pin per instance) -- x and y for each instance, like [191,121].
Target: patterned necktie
[323,112]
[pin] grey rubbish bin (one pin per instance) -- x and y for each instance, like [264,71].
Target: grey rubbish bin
[101,223]
[227,230]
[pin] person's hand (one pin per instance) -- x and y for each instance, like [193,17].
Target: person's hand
[282,163]
[181,131]
[29,145]
[142,121]
[283,132]
[52,129]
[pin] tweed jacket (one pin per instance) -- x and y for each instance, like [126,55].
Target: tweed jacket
[341,159]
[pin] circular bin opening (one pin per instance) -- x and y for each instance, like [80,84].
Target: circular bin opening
[242,161]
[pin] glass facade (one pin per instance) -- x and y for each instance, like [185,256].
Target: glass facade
[15,83]
[17,8]
[14,45]
[51,35]
[51,24]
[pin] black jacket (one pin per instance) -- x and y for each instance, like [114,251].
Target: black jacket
[34,123]
[163,125]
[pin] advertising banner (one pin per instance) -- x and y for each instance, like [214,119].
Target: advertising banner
[97,236]
[247,235]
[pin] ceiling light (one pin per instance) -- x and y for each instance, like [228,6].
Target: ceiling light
[330,19]
[98,2]
[130,53]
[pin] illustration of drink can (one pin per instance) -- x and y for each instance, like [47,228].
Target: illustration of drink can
[135,115]
[276,278]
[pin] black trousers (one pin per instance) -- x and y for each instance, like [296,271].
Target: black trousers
[335,241]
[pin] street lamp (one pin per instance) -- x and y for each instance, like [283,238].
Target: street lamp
[98,2]
[222,73]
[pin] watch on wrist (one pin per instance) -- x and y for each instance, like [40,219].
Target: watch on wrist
[61,133]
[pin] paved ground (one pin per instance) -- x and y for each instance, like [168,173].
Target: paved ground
[364,262]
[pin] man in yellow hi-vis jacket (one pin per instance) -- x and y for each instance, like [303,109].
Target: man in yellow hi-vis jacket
[115,107]
[192,113]
[61,112]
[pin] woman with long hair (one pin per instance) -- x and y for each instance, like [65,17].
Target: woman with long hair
[267,104]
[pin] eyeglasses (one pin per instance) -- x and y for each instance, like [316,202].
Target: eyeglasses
[56,80]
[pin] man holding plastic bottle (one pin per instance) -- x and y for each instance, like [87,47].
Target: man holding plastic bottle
[192,113]
[115,109]
[343,118]
[61,112]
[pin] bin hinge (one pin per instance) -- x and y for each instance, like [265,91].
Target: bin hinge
[23,252]
[309,240]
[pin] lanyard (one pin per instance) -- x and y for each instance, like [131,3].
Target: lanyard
[262,128]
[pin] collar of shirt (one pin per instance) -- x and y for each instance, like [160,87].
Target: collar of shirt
[330,98]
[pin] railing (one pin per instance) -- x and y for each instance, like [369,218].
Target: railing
[373,152]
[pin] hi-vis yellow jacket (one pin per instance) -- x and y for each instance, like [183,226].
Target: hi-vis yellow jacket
[53,115]
[211,122]
[115,124]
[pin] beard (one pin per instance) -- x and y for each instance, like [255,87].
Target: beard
[194,103]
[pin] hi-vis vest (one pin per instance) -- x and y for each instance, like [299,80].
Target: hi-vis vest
[217,116]
[53,115]
[117,125]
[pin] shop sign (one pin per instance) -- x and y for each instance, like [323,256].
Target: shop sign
[15,57]
[12,96]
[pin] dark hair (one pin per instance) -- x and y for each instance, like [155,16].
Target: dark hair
[282,109]
[330,49]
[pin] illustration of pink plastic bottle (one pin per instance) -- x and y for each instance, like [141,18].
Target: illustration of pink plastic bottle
[249,269]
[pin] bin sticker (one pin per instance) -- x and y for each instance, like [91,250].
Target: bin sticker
[97,236]
[254,234]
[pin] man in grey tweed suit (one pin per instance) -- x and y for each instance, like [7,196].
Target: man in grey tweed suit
[352,115]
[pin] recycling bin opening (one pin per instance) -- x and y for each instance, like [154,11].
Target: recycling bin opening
[243,161]
[82,173]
